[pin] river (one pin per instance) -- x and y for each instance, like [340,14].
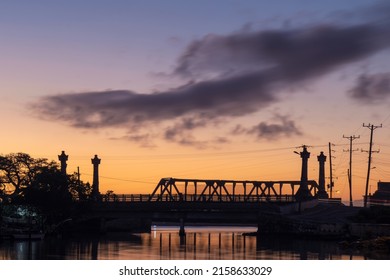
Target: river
[164,243]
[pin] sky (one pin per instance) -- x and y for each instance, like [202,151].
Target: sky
[197,89]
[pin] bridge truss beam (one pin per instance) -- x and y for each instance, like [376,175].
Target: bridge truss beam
[174,189]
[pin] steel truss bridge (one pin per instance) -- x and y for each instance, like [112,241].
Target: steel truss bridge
[174,189]
[199,190]
[195,201]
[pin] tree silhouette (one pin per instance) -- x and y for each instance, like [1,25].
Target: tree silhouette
[39,182]
[17,172]
[78,189]
[49,191]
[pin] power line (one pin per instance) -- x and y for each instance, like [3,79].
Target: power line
[225,153]
[388,116]
[119,179]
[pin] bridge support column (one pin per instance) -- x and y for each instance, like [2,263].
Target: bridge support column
[181,230]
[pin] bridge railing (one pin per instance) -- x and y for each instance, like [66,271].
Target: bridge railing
[125,198]
[195,198]
[378,202]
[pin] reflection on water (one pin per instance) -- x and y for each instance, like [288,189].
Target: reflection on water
[165,243]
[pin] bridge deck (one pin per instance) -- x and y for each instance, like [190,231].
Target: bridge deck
[195,198]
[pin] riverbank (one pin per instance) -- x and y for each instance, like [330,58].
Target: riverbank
[325,221]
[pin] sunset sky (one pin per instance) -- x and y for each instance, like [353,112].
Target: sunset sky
[222,89]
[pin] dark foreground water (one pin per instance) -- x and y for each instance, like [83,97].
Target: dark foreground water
[165,243]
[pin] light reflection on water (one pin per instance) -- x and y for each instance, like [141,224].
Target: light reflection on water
[205,243]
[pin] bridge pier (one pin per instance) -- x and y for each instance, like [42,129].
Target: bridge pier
[182,241]
[182,230]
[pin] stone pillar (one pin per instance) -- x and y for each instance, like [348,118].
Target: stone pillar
[63,158]
[321,176]
[303,192]
[95,185]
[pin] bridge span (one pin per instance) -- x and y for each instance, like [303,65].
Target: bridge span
[204,200]
[184,201]
[174,189]
[199,190]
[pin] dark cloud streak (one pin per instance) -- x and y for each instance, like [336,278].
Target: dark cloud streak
[371,88]
[232,75]
[284,127]
[292,54]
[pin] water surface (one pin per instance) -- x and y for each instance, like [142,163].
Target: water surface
[199,243]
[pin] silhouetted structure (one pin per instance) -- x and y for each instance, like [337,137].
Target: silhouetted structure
[95,185]
[199,190]
[63,158]
[303,192]
[321,176]
[382,195]
[331,184]
[351,138]
[372,128]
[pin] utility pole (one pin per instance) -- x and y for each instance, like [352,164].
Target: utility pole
[331,184]
[372,128]
[351,138]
